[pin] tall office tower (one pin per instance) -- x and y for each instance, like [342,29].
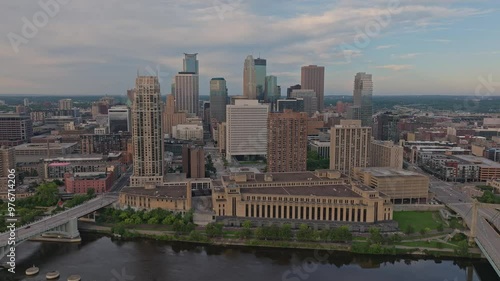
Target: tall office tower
[349,146]
[363,90]
[313,78]
[147,135]
[386,154]
[218,99]
[7,162]
[310,100]
[385,127]
[246,128]
[172,118]
[260,77]
[15,129]
[193,161]
[26,102]
[287,141]
[187,92]
[249,79]
[290,89]
[130,97]
[65,104]
[119,119]
[190,63]
[272,92]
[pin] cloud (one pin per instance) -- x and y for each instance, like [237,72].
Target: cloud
[395,67]
[97,46]
[406,56]
[381,47]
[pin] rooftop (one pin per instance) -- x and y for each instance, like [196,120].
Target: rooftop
[481,161]
[322,190]
[306,176]
[390,172]
[44,145]
[158,192]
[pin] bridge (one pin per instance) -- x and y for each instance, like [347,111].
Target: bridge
[478,217]
[64,222]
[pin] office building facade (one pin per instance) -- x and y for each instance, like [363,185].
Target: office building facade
[246,128]
[260,77]
[249,79]
[190,63]
[362,96]
[218,99]
[349,146]
[287,141]
[310,100]
[313,78]
[193,161]
[187,92]
[119,119]
[15,128]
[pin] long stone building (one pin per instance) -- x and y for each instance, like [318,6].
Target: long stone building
[322,199]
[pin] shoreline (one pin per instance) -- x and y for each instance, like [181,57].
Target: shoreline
[392,250]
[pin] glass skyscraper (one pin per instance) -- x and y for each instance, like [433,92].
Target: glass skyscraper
[260,77]
[190,63]
[218,99]
[363,91]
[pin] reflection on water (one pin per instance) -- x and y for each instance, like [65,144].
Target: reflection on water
[100,258]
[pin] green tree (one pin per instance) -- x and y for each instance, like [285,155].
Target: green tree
[90,193]
[409,229]
[462,248]
[375,236]
[214,230]
[305,233]
[246,230]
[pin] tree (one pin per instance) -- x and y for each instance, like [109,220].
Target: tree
[246,231]
[375,236]
[409,229]
[305,233]
[463,248]
[214,230]
[90,193]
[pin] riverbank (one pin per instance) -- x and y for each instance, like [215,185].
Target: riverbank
[357,246]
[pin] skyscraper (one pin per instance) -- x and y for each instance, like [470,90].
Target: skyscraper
[290,89]
[119,119]
[272,93]
[260,77]
[190,63]
[363,90]
[313,78]
[246,128]
[249,79]
[287,141]
[349,146]
[147,135]
[218,99]
[187,92]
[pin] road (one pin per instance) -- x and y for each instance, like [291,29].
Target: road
[217,159]
[122,181]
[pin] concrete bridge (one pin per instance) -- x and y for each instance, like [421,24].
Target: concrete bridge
[65,223]
[478,217]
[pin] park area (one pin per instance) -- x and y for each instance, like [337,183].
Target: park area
[410,221]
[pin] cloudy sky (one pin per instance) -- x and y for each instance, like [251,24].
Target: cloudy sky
[97,46]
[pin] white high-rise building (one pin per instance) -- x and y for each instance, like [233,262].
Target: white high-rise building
[246,128]
[249,79]
[147,135]
[186,92]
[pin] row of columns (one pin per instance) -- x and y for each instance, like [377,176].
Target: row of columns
[347,214]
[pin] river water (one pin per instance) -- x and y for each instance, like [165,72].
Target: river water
[102,259]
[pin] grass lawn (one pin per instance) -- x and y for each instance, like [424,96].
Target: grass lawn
[425,244]
[419,220]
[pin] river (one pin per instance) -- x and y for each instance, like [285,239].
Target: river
[100,258]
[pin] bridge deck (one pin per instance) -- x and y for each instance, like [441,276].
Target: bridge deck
[48,223]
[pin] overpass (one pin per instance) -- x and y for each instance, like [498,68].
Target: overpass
[65,222]
[478,217]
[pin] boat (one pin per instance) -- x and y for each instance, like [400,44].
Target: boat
[52,275]
[74,278]
[32,270]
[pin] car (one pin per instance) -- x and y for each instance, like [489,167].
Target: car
[27,226]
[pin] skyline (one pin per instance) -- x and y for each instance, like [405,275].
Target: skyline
[92,48]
